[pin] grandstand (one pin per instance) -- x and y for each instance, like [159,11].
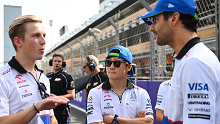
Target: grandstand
[118,22]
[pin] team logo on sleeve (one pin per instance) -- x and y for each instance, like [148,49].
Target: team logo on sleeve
[72,83]
[133,96]
[198,86]
[198,96]
[90,99]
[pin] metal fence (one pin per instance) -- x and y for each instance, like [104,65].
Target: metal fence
[127,29]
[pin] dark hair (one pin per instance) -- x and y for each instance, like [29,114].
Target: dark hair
[188,21]
[55,55]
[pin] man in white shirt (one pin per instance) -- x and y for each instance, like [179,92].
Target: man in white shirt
[118,100]
[193,95]
[24,89]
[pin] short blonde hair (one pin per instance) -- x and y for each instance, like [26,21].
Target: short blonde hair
[18,29]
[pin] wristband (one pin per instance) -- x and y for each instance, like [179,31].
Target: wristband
[115,120]
[35,108]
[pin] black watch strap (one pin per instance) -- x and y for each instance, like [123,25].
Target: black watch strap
[115,120]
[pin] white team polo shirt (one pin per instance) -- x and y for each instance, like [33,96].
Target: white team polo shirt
[19,90]
[194,94]
[161,95]
[103,100]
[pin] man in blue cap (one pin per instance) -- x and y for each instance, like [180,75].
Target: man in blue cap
[118,100]
[195,85]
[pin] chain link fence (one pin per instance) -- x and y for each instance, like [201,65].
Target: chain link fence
[125,28]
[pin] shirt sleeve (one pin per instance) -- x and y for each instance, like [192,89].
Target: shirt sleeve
[146,104]
[94,113]
[4,100]
[197,85]
[70,84]
[160,103]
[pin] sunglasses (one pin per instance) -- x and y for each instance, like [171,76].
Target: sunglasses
[42,89]
[117,64]
[85,66]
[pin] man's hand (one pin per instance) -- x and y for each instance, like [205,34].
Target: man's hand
[141,114]
[108,119]
[51,102]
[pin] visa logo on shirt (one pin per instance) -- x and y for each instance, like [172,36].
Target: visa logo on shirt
[198,86]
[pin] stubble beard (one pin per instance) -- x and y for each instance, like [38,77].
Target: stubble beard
[165,37]
[57,69]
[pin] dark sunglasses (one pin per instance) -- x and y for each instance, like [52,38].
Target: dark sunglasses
[42,89]
[117,64]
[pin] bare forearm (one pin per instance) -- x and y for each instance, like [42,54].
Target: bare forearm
[135,121]
[159,115]
[53,120]
[23,117]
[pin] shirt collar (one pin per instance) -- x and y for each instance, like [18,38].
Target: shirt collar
[186,48]
[59,72]
[17,66]
[106,85]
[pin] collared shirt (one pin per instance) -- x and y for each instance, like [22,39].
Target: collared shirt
[96,80]
[103,100]
[19,90]
[60,82]
[193,96]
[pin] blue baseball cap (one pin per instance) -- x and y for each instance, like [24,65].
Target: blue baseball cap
[180,6]
[123,53]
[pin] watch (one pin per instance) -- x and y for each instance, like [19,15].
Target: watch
[115,120]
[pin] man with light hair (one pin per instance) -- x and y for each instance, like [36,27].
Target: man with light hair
[90,66]
[24,89]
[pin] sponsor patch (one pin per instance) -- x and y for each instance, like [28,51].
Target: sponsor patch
[72,82]
[202,109]
[26,95]
[57,79]
[89,113]
[198,86]
[198,103]
[202,116]
[90,99]
[7,71]
[107,99]
[198,95]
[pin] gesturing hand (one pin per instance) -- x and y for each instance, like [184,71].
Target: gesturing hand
[51,102]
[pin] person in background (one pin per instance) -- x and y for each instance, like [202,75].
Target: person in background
[24,89]
[61,84]
[90,66]
[118,100]
[161,96]
[193,95]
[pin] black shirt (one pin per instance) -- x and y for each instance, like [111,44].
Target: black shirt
[96,80]
[60,82]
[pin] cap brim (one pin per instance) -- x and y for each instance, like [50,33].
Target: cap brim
[148,17]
